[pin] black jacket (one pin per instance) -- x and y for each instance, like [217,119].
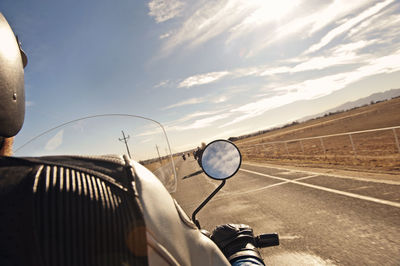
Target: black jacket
[66,210]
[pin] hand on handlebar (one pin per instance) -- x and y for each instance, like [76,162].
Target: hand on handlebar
[236,241]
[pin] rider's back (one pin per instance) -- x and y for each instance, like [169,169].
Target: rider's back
[93,211]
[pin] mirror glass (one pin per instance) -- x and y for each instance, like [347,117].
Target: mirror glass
[221,159]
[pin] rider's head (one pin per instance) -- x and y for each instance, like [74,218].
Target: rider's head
[12,93]
[203,145]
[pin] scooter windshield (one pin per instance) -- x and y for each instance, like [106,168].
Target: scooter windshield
[142,139]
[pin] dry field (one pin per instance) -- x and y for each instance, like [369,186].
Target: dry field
[370,151]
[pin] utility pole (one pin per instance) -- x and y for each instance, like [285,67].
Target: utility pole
[159,157]
[125,139]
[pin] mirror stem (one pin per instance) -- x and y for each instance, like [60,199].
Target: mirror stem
[205,202]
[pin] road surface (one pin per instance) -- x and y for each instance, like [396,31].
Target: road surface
[322,219]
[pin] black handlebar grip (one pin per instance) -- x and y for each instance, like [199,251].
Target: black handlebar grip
[267,240]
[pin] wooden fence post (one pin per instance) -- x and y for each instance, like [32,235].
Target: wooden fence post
[323,146]
[352,145]
[302,147]
[396,139]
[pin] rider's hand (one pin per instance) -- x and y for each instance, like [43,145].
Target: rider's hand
[236,241]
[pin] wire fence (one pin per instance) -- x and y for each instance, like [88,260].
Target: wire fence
[378,142]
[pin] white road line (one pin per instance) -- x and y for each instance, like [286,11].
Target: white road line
[228,194]
[353,195]
[389,182]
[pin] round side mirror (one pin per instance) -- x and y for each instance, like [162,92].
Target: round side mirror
[221,159]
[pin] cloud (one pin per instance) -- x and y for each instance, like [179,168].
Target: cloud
[55,141]
[239,18]
[147,140]
[335,11]
[304,26]
[202,79]
[185,102]
[163,10]
[232,17]
[172,124]
[220,99]
[152,129]
[200,123]
[316,88]
[262,13]
[386,23]
[348,25]
[165,35]
[343,54]
[162,84]
[210,19]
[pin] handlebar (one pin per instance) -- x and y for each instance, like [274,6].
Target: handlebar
[266,240]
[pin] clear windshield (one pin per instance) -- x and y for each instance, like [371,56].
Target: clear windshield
[143,139]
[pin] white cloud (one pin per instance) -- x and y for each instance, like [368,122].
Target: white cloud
[55,141]
[273,19]
[209,20]
[316,88]
[162,84]
[202,79]
[200,123]
[322,62]
[262,12]
[339,55]
[348,25]
[385,23]
[147,140]
[220,99]
[165,35]
[335,11]
[163,10]
[350,48]
[172,125]
[303,26]
[185,102]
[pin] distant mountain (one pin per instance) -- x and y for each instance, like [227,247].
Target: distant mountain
[380,96]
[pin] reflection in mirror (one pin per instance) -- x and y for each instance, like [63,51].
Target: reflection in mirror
[221,159]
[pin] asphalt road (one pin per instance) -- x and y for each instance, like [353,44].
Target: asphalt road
[321,219]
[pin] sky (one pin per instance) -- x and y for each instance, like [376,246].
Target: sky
[204,69]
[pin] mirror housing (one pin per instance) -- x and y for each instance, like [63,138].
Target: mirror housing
[221,159]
